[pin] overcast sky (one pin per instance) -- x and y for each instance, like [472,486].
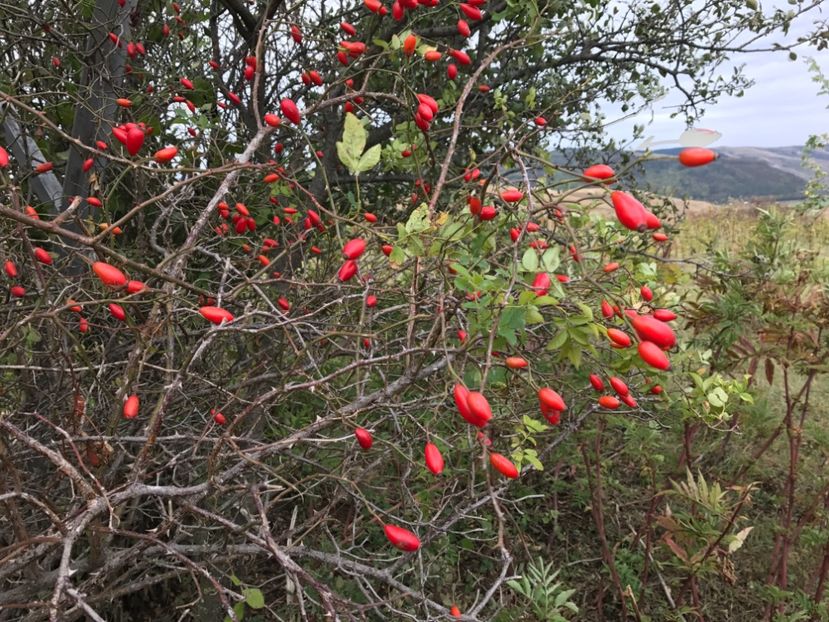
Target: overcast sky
[781,109]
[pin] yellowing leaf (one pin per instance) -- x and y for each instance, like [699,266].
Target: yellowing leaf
[368,160]
[739,539]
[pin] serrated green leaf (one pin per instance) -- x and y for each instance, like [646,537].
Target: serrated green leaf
[369,159]
[452,231]
[544,301]
[512,320]
[715,399]
[354,134]
[739,539]
[551,259]
[559,340]
[563,597]
[472,377]
[534,315]
[527,296]
[532,424]
[533,460]
[419,219]
[573,354]
[586,311]
[397,256]
[345,157]
[579,336]
[556,291]
[415,247]
[350,149]
[529,261]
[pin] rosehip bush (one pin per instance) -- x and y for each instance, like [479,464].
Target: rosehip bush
[252,250]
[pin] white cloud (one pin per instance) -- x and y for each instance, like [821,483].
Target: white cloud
[782,108]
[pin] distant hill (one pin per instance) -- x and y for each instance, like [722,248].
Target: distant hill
[739,173]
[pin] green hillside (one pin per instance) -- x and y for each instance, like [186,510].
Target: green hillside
[730,177]
[740,173]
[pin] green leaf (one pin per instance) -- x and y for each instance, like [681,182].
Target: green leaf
[354,134]
[563,597]
[452,231]
[579,336]
[369,159]
[646,271]
[86,8]
[32,336]
[556,291]
[738,539]
[587,311]
[559,340]
[418,219]
[472,377]
[350,149]
[254,597]
[530,260]
[544,301]
[345,157]
[516,585]
[397,256]
[528,296]
[529,98]
[717,397]
[551,259]
[533,425]
[534,315]
[461,270]
[497,376]
[512,319]
[531,457]
[239,610]
[573,353]
[415,247]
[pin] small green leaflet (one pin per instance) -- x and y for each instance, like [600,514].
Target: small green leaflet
[512,319]
[550,259]
[350,149]
[418,219]
[254,597]
[369,159]
[529,261]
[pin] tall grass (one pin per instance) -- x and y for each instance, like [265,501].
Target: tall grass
[728,228]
